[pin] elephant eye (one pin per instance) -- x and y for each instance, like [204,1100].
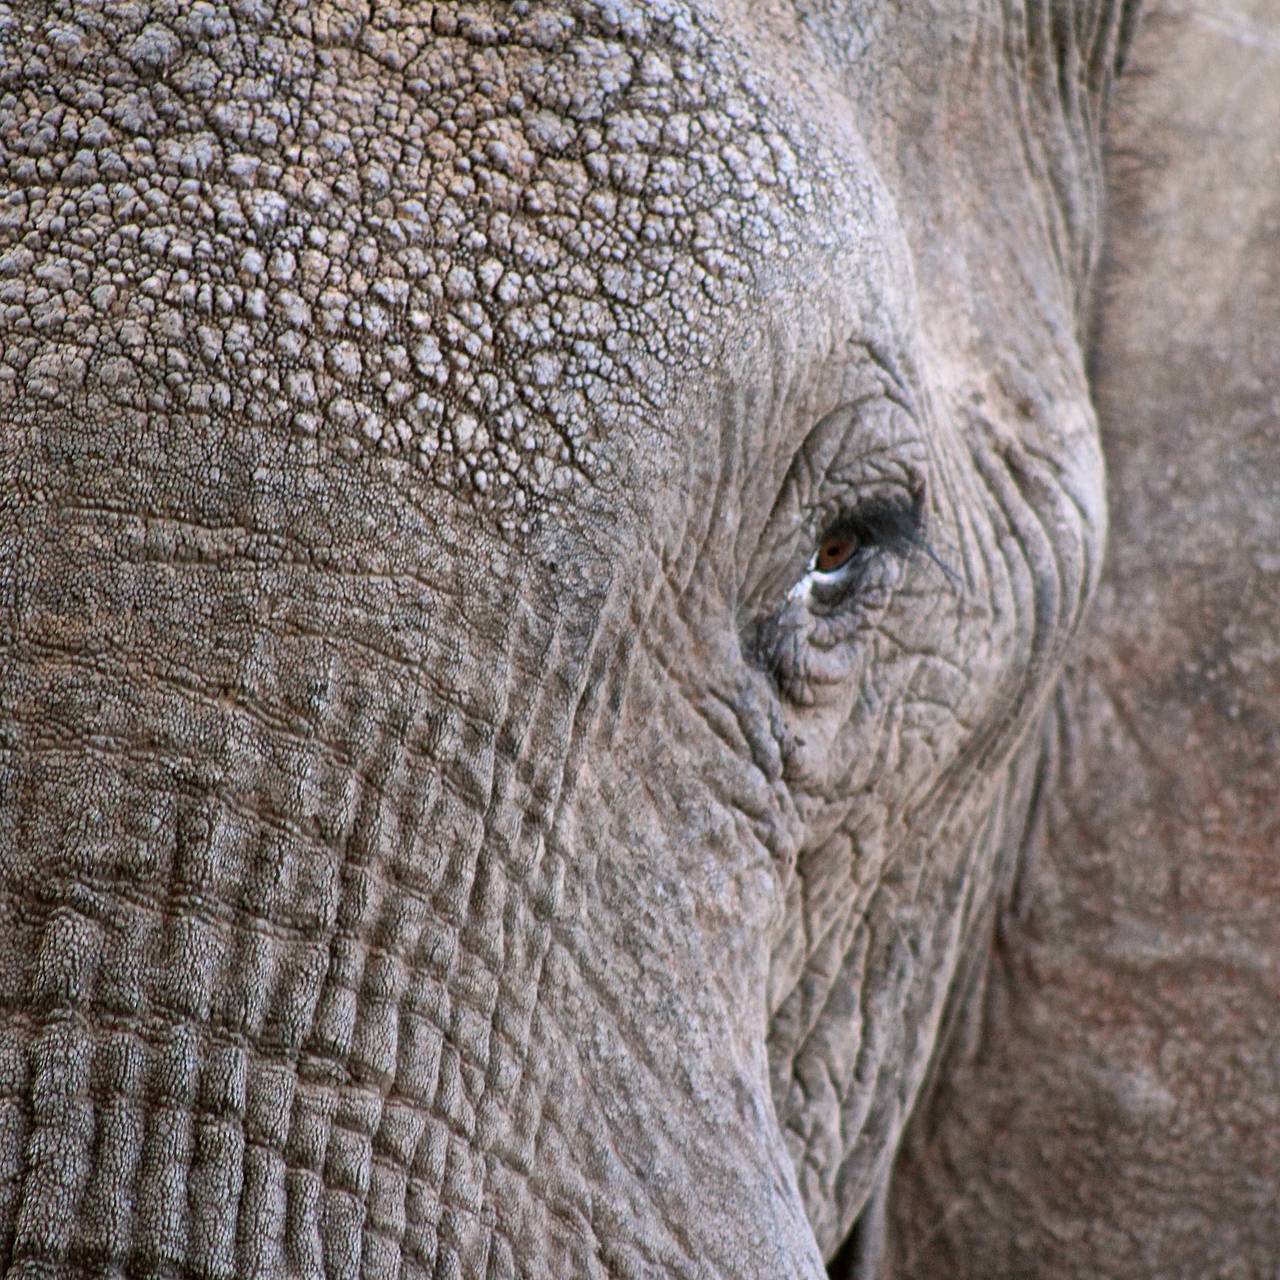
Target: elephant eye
[834,552]
[881,523]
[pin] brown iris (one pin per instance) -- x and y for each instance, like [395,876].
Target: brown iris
[834,553]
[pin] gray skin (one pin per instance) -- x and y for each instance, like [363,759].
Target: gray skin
[1111,1106]
[447,828]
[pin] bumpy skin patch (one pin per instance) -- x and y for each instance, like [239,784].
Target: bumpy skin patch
[435,839]
[464,238]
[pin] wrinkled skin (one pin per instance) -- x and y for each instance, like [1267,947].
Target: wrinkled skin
[1109,1108]
[447,827]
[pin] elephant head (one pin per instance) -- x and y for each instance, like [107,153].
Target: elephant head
[537,541]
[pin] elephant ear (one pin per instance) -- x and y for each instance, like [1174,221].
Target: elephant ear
[1109,1105]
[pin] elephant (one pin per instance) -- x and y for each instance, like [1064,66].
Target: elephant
[565,706]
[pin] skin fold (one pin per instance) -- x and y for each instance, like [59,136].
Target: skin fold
[1108,1107]
[450,824]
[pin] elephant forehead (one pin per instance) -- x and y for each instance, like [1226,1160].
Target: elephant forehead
[471,238]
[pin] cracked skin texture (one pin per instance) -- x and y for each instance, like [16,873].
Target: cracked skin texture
[444,830]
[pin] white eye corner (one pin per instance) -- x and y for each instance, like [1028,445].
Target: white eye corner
[799,594]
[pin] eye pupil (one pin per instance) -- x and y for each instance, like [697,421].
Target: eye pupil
[834,553]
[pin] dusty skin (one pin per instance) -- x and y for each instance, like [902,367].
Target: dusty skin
[562,711]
